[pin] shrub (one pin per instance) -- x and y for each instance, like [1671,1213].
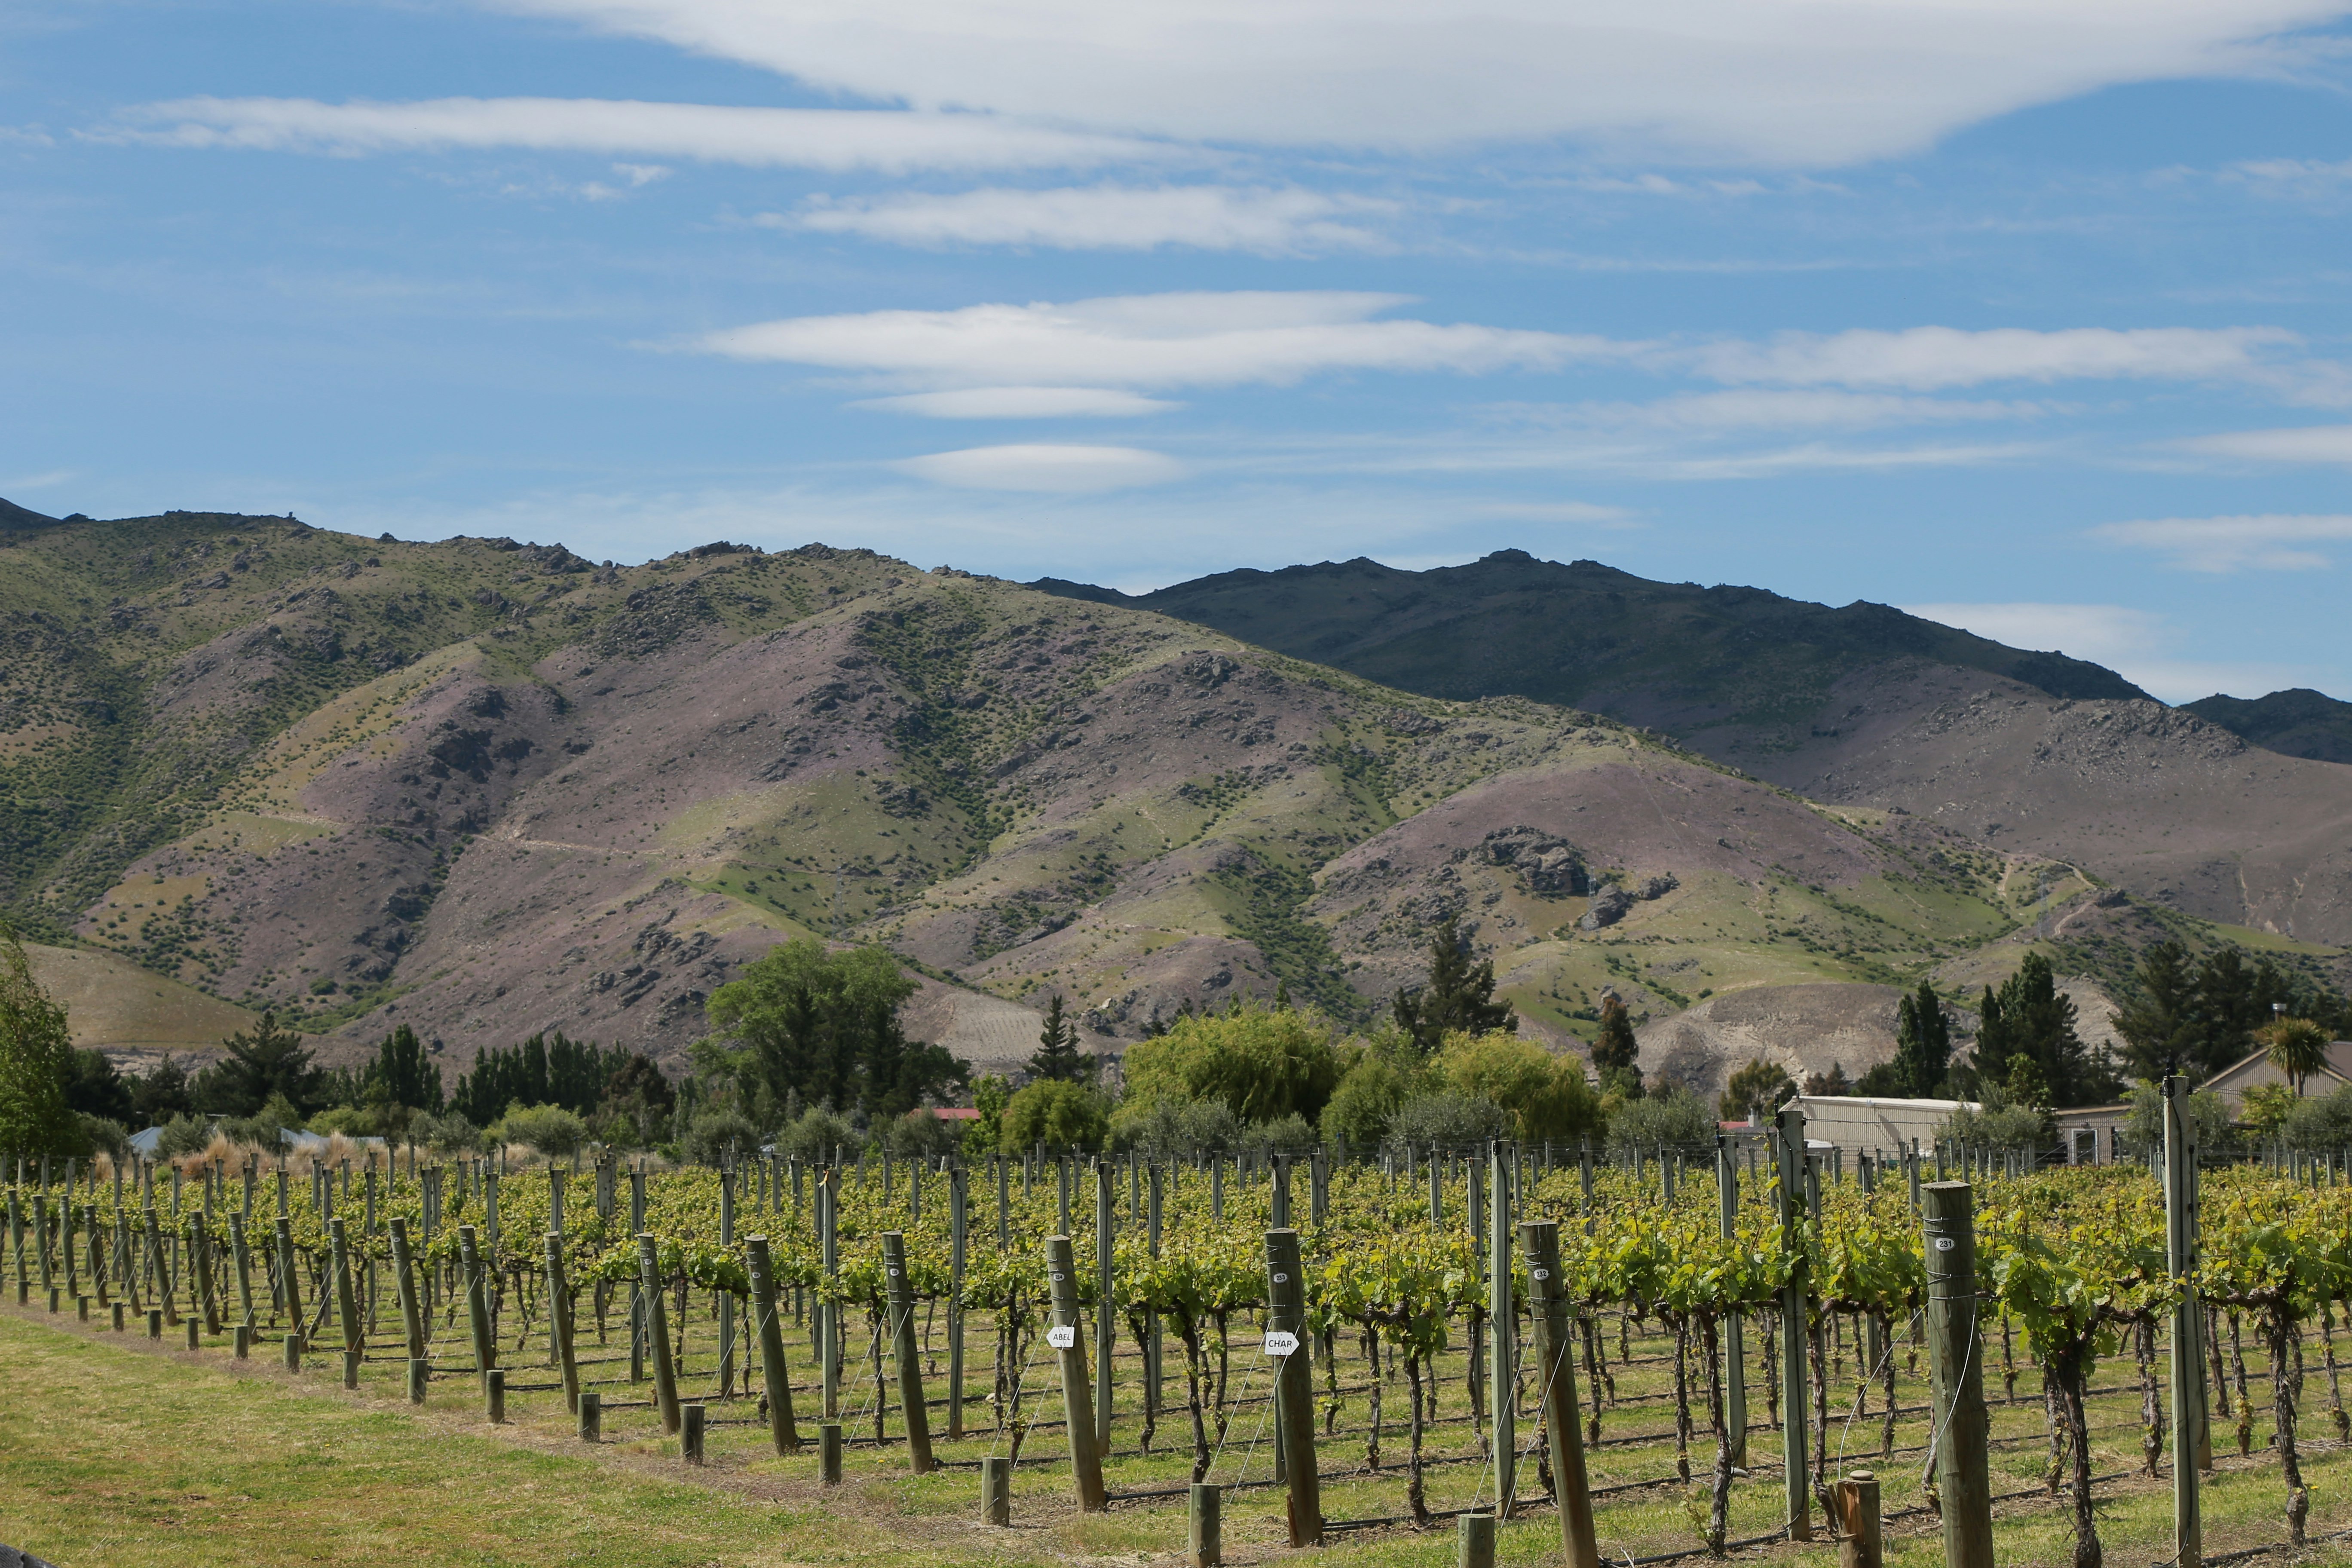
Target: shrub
[1360,1108]
[348,1120]
[550,1129]
[1168,1128]
[920,1134]
[1263,1063]
[1545,1094]
[1285,1135]
[184,1135]
[105,1134]
[451,1134]
[1056,1113]
[713,1134]
[2321,1122]
[817,1132]
[1673,1116]
[1449,1119]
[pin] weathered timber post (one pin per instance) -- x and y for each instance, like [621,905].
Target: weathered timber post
[1793,1308]
[404,1287]
[1106,1305]
[996,1489]
[772,1371]
[1555,1338]
[559,1320]
[1859,1543]
[1502,1377]
[2191,1439]
[958,1230]
[1956,1349]
[1204,1529]
[658,1332]
[901,1307]
[1294,1387]
[478,1305]
[1078,1402]
[1735,1339]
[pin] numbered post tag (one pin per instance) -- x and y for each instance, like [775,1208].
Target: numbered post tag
[1062,1337]
[1945,1243]
[1280,1344]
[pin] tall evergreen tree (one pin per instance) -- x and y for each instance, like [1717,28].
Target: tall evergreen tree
[1459,996]
[825,1026]
[400,1074]
[268,1061]
[2029,1016]
[2160,1027]
[1615,1053]
[1922,1043]
[1057,1056]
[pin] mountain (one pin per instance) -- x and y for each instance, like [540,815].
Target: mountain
[1731,671]
[2297,722]
[1863,706]
[14,518]
[489,788]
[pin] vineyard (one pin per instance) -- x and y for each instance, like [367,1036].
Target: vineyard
[1678,1355]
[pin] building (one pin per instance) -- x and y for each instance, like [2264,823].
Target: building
[1868,1125]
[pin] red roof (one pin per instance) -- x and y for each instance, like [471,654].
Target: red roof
[955,1113]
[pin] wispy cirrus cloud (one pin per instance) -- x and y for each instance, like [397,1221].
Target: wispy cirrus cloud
[1280,221]
[2309,443]
[883,141]
[1930,359]
[2263,542]
[1150,342]
[2140,645]
[1790,83]
[1046,467]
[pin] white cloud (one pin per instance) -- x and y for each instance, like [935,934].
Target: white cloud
[828,138]
[1022,403]
[1270,222]
[2269,543]
[1160,340]
[2136,644]
[1771,81]
[1927,359]
[2312,444]
[1710,412]
[40,481]
[1040,466]
[1558,511]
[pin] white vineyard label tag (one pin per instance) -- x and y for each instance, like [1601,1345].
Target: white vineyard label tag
[1278,1343]
[1062,1337]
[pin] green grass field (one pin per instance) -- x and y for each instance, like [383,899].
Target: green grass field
[124,1452]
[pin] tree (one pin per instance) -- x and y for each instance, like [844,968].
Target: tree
[1458,998]
[1922,1043]
[2233,1000]
[1616,1055]
[1055,1112]
[1262,1064]
[37,1062]
[825,1027]
[545,1070]
[2029,1016]
[636,1100]
[2159,1025]
[268,1061]
[1673,1117]
[401,1074]
[2297,1048]
[1756,1091]
[1546,1095]
[1057,1056]
[97,1089]
[163,1094]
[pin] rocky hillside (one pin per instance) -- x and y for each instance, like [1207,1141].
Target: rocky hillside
[2233,812]
[487,788]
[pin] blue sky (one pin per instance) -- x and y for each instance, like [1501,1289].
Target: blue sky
[2031,316]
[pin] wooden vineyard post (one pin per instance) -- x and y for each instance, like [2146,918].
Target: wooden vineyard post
[2191,1450]
[1555,1338]
[1153,1359]
[1956,1351]
[637,1287]
[559,1320]
[404,1286]
[1078,1402]
[1474,1541]
[1294,1387]
[1106,1305]
[901,1300]
[958,1234]
[727,1298]
[658,1333]
[478,1303]
[1791,1152]
[346,1306]
[1204,1530]
[1735,1338]
[1502,1377]
[996,1489]
[244,1255]
[828,1312]
[771,1329]
[1860,1544]
[289,1286]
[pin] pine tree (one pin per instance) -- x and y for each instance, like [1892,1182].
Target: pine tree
[269,1060]
[2029,1016]
[2159,1025]
[37,1061]
[401,1076]
[1459,996]
[1922,1043]
[1615,1053]
[1058,1058]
